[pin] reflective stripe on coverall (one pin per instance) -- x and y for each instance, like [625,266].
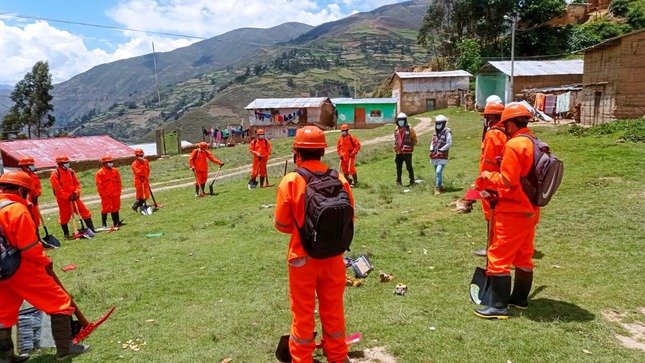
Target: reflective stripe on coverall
[261,149]
[492,151]
[31,282]
[515,216]
[141,178]
[64,183]
[310,277]
[108,185]
[199,161]
[347,148]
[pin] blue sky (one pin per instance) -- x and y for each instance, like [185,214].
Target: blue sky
[72,49]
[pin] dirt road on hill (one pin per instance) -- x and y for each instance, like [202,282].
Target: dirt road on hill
[276,163]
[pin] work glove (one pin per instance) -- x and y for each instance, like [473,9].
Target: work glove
[34,200]
[73,196]
[222,164]
[193,169]
[142,179]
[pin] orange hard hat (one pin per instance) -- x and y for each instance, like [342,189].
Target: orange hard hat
[344,127]
[260,132]
[493,109]
[62,159]
[19,178]
[310,137]
[27,160]
[107,159]
[515,110]
[138,152]
[203,145]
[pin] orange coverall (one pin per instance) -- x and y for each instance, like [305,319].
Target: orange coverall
[32,198]
[199,162]
[108,185]
[347,148]
[515,216]
[492,151]
[141,177]
[309,277]
[64,183]
[261,149]
[31,282]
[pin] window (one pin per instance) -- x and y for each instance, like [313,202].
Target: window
[375,113]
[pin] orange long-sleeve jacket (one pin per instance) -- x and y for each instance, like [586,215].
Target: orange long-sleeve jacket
[199,160]
[492,150]
[260,148]
[20,230]
[140,170]
[108,182]
[517,161]
[64,183]
[290,205]
[347,146]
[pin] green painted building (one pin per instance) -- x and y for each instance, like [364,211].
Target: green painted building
[362,113]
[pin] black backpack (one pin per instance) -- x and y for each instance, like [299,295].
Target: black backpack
[329,216]
[9,254]
[545,175]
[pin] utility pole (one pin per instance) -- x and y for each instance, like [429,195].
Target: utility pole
[154,61]
[513,18]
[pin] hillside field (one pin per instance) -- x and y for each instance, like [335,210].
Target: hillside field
[214,285]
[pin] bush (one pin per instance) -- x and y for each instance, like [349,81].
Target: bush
[628,130]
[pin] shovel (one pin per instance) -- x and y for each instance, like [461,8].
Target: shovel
[480,290]
[48,240]
[154,201]
[282,351]
[85,231]
[210,186]
[87,327]
[77,232]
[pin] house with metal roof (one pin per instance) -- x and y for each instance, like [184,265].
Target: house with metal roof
[281,117]
[494,78]
[362,113]
[418,92]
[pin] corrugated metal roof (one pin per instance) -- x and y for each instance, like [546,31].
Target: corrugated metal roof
[540,68]
[353,101]
[286,103]
[458,73]
[44,151]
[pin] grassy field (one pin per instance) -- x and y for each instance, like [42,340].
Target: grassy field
[214,285]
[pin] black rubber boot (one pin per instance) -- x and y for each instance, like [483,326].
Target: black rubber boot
[354,179]
[89,223]
[261,182]
[136,205]
[521,289]
[500,294]
[65,230]
[6,348]
[104,220]
[62,333]
[116,221]
[196,190]
[202,192]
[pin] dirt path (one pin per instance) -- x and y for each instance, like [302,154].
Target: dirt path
[128,193]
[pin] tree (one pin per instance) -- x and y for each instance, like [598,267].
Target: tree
[32,108]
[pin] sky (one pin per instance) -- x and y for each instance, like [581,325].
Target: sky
[47,30]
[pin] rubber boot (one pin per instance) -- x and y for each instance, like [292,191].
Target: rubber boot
[135,206]
[354,179]
[116,221]
[65,230]
[521,289]
[349,180]
[104,220]
[6,348]
[261,182]
[89,223]
[197,190]
[500,294]
[62,333]
[202,191]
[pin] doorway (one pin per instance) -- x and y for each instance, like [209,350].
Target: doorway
[430,104]
[359,117]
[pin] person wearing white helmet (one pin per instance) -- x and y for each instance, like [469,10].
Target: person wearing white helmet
[439,148]
[404,140]
[493,99]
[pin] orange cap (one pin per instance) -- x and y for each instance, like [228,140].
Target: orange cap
[493,109]
[310,137]
[515,110]
[62,159]
[138,152]
[107,159]
[19,178]
[203,145]
[27,160]
[344,127]
[260,132]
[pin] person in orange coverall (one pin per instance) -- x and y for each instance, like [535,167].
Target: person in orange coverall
[514,221]
[493,140]
[108,185]
[141,177]
[198,163]
[31,281]
[67,190]
[27,165]
[347,148]
[261,149]
[308,277]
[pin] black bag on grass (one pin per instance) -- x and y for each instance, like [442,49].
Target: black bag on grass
[329,217]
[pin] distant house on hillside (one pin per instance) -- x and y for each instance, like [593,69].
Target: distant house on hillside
[418,92]
[281,117]
[494,78]
[362,113]
[613,84]
[84,152]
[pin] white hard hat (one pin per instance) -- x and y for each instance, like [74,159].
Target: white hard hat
[493,99]
[401,116]
[440,118]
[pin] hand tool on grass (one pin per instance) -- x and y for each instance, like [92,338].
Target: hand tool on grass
[282,351]
[48,240]
[77,232]
[285,167]
[86,231]
[210,186]
[480,286]
[87,327]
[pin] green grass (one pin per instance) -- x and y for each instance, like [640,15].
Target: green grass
[215,283]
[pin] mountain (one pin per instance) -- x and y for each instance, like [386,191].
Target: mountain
[5,98]
[119,81]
